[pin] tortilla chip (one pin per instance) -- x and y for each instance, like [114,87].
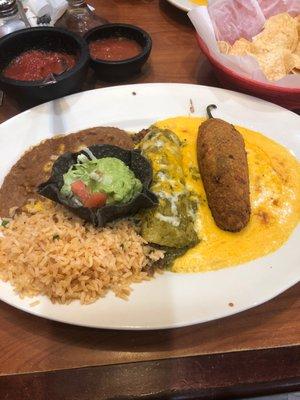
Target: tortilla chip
[296,58]
[291,61]
[280,32]
[297,51]
[282,20]
[297,19]
[224,47]
[241,47]
[273,64]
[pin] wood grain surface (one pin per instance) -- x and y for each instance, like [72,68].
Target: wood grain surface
[30,344]
[225,376]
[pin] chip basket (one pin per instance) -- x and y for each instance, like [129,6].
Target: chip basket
[285,97]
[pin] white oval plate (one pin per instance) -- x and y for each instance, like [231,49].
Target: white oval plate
[184,5]
[170,300]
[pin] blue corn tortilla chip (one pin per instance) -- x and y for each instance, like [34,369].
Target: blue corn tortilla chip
[101,216]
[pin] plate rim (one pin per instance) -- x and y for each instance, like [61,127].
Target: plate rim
[148,84]
[138,328]
[180,6]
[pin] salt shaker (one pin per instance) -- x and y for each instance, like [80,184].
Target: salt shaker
[10,18]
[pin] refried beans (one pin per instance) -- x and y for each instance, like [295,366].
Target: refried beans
[34,167]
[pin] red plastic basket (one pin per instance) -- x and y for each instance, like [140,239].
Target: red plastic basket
[285,97]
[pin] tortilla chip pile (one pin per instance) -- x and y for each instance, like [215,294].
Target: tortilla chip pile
[276,48]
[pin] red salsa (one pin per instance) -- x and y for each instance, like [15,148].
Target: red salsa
[36,65]
[114,49]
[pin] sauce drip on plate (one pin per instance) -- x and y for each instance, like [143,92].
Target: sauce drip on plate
[114,49]
[36,65]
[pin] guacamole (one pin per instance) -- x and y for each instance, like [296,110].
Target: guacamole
[109,176]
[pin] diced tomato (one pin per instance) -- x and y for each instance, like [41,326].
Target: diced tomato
[95,200]
[88,199]
[80,190]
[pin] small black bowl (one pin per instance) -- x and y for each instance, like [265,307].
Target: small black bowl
[120,70]
[44,38]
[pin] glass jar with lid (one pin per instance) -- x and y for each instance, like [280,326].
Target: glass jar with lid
[10,17]
[80,18]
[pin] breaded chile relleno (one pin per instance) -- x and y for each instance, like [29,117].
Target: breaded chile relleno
[222,161]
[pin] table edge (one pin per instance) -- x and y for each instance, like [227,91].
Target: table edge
[217,376]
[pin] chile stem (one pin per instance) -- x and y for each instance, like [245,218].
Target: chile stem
[208,110]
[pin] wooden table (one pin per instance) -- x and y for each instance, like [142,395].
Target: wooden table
[255,352]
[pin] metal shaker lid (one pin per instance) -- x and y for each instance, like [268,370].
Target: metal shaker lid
[8,8]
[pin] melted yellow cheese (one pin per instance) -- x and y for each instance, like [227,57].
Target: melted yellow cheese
[200,2]
[275,202]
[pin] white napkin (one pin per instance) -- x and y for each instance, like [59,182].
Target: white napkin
[39,8]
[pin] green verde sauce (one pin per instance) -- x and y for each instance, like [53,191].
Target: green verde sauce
[106,175]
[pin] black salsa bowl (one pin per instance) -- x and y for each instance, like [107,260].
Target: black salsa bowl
[29,93]
[120,70]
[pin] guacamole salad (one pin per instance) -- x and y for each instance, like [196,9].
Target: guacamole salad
[93,182]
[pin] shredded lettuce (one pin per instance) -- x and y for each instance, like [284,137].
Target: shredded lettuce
[4,222]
